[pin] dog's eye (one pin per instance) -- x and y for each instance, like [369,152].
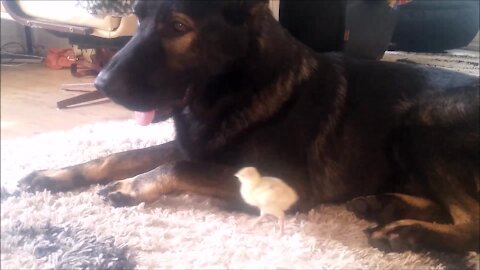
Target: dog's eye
[180,27]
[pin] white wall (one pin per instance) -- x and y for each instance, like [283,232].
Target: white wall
[41,37]
[275,8]
[12,31]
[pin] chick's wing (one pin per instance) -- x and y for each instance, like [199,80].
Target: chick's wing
[273,192]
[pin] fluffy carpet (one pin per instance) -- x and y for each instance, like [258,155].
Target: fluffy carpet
[79,230]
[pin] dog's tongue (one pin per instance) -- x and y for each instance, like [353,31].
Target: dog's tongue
[144,118]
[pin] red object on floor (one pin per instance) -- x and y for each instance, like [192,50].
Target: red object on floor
[59,58]
[396,3]
[403,2]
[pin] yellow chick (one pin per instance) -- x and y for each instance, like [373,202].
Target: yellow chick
[271,195]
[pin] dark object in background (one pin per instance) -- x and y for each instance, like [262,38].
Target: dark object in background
[369,28]
[360,28]
[365,28]
[431,26]
[318,24]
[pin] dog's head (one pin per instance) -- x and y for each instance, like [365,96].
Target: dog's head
[178,43]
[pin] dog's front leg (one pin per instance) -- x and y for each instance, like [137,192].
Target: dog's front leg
[181,176]
[103,170]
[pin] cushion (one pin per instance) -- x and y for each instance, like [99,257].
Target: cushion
[68,12]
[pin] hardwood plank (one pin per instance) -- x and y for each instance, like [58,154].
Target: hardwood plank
[29,94]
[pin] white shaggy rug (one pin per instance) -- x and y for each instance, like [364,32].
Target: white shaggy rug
[79,230]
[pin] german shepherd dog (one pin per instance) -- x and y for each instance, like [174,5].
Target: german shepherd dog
[398,143]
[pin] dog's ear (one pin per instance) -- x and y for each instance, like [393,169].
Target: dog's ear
[238,11]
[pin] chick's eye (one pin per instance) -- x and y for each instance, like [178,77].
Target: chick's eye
[180,27]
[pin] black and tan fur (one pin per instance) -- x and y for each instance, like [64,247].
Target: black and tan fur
[399,142]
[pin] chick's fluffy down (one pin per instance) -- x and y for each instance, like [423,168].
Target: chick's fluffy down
[270,192]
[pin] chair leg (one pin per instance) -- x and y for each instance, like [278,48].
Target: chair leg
[91,92]
[81,87]
[90,96]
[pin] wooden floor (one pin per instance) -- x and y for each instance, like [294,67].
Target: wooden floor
[28,102]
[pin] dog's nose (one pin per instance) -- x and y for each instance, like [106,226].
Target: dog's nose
[101,82]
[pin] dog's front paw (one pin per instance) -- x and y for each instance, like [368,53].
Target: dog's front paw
[397,236]
[119,193]
[53,180]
